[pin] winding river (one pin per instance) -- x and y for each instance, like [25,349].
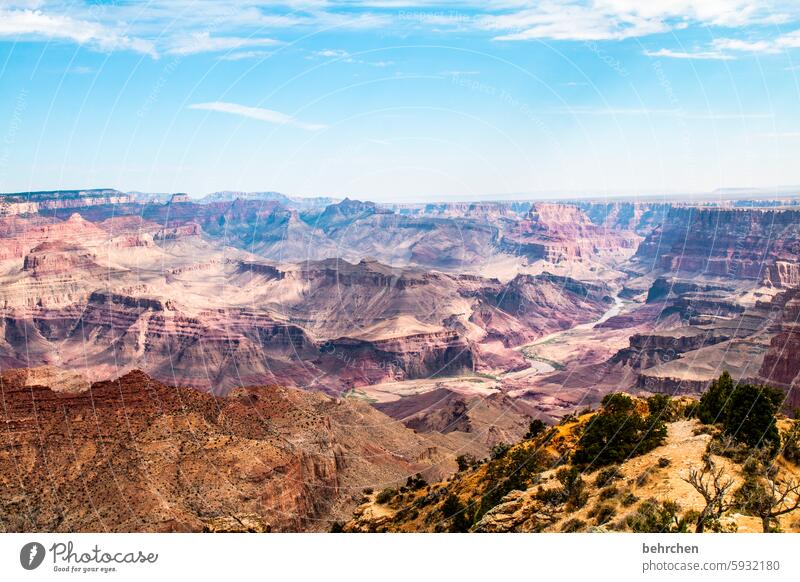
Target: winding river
[540,366]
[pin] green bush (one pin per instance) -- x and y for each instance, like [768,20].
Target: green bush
[751,416]
[603,513]
[499,450]
[385,496]
[573,488]
[607,476]
[608,493]
[629,499]
[455,511]
[535,428]
[466,461]
[714,401]
[654,516]
[660,406]
[516,469]
[745,411]
[618,432]
[451,506]
[552,496]
[791,444]
[416,482]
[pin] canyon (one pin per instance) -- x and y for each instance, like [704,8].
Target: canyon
[307,349]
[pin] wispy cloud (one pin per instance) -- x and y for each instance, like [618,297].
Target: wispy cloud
[259,113]
[730,48]
[595,20]
[714,55]
[244,55]
[332,54]
[203,42]
[21,24]
[346,57]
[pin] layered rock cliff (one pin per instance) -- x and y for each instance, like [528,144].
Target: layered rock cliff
[136,455]
[739,244]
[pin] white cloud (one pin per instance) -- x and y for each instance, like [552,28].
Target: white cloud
[244,55]
[557,21]
[727,48]
[790,40]
[259,113]
[736,44]
[332,54]
[37,24]
[189,27]
[203,42]
[701,54]
[346,57]
[594,20]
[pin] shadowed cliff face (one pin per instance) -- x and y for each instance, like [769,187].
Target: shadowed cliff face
[136,455]
[781,364]
[754,244]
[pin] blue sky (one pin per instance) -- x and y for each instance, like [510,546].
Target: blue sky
[400,99]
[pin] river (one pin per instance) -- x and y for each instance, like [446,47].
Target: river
[539,366]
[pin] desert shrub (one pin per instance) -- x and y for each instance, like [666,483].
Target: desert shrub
[385,496]
[571,492]
[454,510]
[654,516]
[690,410]
[416,482]
[517,469]
[751,416]
[629,499]
[791,444]
[660,406]
[551,496]
[466,461]
[368,490]
[535,428]
[704,429]
[617,433]
[337,527]
[573,525]
[745,411]
[724,445]
[712,405]
[644,477]
[451,505]
[603,513]
[499,450]
[608,493]
[607,476]
[573,487]
[663,462]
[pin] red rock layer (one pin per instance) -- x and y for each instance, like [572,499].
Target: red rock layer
[137,455]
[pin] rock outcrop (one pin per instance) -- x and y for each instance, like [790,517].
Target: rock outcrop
[738,244]
[136,455]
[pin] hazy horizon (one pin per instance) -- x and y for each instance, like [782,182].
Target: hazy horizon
[721,194]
